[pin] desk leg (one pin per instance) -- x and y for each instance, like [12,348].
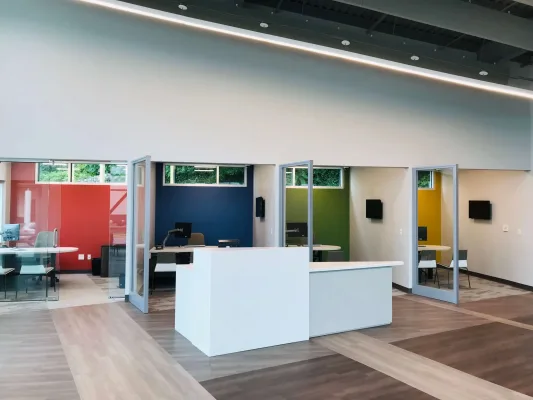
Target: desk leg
[5,286]
[46,285]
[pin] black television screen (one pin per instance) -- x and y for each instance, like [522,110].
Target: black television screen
[480,209]
[374,209]
[422,233]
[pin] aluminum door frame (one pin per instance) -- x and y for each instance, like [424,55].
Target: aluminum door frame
[450,296]
[283,198]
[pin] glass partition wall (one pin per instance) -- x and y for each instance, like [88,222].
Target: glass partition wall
[296,205]
[435,235]
[30,234]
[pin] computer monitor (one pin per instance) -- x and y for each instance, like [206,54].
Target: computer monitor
[422,233]
[10,232]
[182,230]
[296,229]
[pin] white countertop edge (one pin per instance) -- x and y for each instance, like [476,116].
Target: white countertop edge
[350,265]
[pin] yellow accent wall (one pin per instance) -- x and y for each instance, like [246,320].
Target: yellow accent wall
[429,211]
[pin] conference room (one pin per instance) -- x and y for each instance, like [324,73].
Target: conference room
[63,225]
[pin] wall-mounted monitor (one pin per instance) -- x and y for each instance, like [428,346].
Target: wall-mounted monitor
[260,207]
[480,209]
[374,209]
[422,233]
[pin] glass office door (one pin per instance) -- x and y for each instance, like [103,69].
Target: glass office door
[138,231]
[435,238]
[296,204]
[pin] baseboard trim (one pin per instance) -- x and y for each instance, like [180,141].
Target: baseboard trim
[74,271]
[401,288]
[499,280]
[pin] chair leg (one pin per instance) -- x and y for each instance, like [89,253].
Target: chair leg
[437,276]
[468,276]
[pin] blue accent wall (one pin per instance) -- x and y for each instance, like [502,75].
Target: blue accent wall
[217,212]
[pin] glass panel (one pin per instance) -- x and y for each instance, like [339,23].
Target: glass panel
[115,173]
[30,263]
[425,179]
[195,175]
[435,228]
[52,172]
[86,173]
[289,177]
[114,255]
[327,177]
[296,211]
[138,228]
[232,175]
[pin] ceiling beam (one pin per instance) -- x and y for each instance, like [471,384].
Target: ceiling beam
[375,24]
[458,16]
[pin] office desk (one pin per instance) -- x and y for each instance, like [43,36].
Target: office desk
[179,249]
[39,270]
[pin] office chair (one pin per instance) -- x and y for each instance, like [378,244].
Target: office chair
[428,260]
[196,239]
[463,264]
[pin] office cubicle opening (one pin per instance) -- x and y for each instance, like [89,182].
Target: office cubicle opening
[435,235]
[70,222]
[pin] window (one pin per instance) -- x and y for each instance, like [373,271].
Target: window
[212,175]
[425,179]
[53,172]
[86,173]
[62,172]
[324,178]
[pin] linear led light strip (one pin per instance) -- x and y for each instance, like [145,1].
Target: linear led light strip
[310,48]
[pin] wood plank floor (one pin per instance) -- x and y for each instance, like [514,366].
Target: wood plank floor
[32,362]
[160,325]
[111,357]
[498,353]
[504,307]
[412,319]
[329,377]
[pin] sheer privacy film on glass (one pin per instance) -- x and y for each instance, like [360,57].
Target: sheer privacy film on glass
[435,232]
[204,175]
[30,251]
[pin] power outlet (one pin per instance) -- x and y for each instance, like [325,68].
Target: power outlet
[89,257]
[401,232]
[506,228]
[81,257]
[519,231]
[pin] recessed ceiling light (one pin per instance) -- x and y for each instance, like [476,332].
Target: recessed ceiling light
[414,57]
[263,25]
[345,42]
[182,7]
[483,72]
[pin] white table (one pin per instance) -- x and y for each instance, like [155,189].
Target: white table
[347,296]
[36,269]
[431,247]
[179,249]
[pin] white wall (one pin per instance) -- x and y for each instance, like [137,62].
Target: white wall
[266,230]
[81,82]
[491,251]
[381,240]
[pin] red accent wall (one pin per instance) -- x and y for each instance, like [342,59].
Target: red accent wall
[84,214]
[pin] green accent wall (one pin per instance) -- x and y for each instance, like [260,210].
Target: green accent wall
[331,213]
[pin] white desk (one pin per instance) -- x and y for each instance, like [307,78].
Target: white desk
[239,299]
[179,249]
[36,250]
[431,247]
[346,296]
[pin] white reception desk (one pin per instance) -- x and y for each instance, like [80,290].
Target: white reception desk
[237,299]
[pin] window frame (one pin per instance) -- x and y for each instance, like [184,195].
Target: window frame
[215,166]
[293,173]
[70,171]
[431,180]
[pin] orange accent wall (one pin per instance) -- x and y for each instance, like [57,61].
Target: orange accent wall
[429,211]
